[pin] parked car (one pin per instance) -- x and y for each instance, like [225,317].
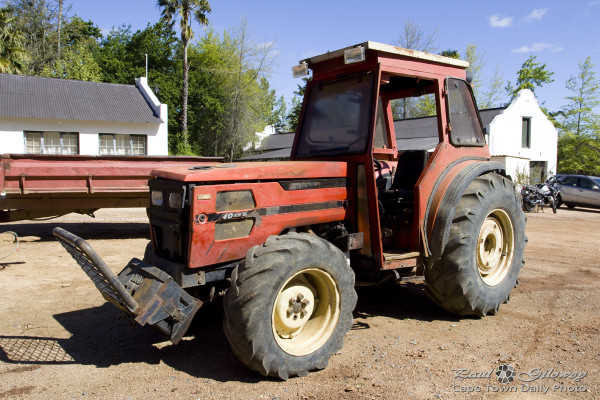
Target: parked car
[579,190]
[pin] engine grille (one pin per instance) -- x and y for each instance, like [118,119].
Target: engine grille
[323,183]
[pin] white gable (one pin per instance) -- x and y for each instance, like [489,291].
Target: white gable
[506,135]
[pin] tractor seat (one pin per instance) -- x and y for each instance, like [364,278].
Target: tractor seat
[410,165]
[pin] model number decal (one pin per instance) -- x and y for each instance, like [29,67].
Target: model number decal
[231,215]
[268,211]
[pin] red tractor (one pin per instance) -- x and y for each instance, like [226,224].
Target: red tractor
[285,243]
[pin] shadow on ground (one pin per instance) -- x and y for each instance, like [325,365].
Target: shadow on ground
[405,301]
[97,339]
[579,209]
[86,230]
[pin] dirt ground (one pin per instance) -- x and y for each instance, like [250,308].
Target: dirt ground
[60,340]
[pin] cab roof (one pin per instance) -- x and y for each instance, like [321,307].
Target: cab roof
[389,49]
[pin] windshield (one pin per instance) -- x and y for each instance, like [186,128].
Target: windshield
[336,120]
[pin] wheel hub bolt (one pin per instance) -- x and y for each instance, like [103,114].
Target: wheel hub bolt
[297,307]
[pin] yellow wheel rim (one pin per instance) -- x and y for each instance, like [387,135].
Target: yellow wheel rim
[306,312]
[495,247]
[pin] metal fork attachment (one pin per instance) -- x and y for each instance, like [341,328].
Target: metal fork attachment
[148,294]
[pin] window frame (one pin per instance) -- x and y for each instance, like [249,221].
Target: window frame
[455,140]
[588,180]
[302,147]
[43,144]
[130,141]
[526,136]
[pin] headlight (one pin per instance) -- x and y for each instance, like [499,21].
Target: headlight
[175,200]
[156,197]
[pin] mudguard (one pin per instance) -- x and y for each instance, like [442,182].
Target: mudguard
[443,218]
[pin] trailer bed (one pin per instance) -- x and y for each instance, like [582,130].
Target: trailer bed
[38,186]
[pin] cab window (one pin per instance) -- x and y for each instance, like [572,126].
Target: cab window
[336,119]
[464,120]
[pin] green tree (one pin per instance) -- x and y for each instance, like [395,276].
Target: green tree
[251,101]
[293,116]
[37,20]
[77,62]
[450,53]
[210,62]
[578,154]
[121,57]
[78,59]
[11,42]
[531,75]
[184,10]
[230,97]
[578,116]
[278,118]
[579,124]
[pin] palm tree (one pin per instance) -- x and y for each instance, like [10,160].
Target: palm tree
[184,10]
[11,41]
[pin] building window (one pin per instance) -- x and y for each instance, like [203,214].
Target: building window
[526,133]
[51,143]
[122,145]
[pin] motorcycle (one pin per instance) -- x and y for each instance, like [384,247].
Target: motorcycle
[542,194]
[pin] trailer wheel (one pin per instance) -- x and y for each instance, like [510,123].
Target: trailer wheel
[480,263]
[289,305]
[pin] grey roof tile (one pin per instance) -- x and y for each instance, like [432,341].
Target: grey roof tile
[47,98]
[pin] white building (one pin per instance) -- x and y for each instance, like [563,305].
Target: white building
[522,138]
[58,116]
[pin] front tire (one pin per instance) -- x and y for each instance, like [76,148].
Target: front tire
[289,305]
[559,201]
[528,205]
[484,254]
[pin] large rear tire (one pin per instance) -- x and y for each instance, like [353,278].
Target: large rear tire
[289,305]
[480,263]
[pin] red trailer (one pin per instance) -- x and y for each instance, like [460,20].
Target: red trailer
[37,186]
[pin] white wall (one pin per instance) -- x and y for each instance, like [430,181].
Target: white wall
[160,143]
[260,136]
[513,164]
[505,135]
[12,140]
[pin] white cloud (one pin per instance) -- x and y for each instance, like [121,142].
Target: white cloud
[538,47]
[498,21]
[535,15]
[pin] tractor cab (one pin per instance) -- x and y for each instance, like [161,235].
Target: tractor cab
[391,113]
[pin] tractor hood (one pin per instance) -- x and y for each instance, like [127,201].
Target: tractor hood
[250,171]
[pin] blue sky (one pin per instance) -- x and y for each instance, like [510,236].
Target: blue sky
[560,33]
